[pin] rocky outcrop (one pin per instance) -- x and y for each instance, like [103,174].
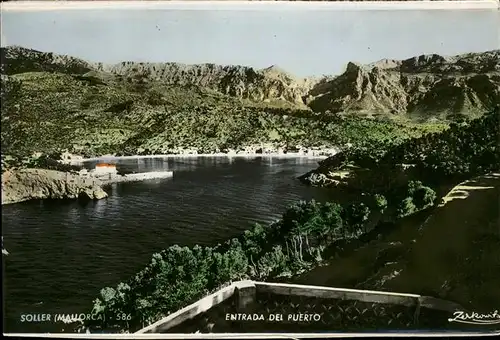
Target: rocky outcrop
[359,89]
[317,178]
[27,184]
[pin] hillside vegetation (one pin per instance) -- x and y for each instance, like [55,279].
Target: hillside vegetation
[457,153]
[53,103]
[450,251]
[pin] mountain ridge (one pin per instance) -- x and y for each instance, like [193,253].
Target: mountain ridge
[423,86]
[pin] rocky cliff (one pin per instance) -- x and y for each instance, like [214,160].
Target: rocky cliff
[424,86]
[27,184]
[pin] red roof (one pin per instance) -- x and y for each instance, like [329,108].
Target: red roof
[105,165]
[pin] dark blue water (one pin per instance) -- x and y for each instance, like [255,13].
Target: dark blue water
[63,253]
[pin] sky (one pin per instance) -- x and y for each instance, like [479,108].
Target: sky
[304,43]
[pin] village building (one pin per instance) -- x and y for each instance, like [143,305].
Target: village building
[105,169]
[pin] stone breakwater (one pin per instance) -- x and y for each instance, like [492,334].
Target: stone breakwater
[135,177]
[27,184]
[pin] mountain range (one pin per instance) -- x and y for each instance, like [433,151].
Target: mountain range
[422,87]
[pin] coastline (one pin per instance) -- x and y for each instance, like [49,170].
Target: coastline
[221,154]
[34,183]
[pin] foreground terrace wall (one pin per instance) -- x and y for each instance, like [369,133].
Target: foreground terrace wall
[258,307]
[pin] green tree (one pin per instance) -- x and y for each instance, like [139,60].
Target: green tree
[405,208]
[380,202]
[413,186]
[356,216]
[424,197]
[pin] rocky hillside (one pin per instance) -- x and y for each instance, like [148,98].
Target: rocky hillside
[451,250]
[243,82]
[16,59]
[463,268]
[411,256]
[52,102]
[423,87]
[240,81]
[105,110]
[27,184]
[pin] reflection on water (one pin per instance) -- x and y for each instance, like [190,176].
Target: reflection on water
[63,253]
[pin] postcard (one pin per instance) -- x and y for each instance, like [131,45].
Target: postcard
[286,169]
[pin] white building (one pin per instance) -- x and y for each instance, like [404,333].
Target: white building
[105,168]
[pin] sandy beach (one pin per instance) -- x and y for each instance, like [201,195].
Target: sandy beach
[230,155]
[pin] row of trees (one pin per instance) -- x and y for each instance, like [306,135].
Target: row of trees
[299,240]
